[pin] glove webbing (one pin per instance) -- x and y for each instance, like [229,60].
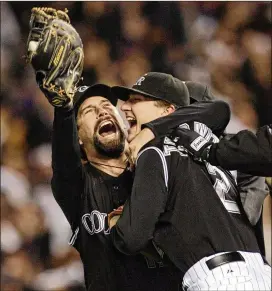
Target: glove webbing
[49,12]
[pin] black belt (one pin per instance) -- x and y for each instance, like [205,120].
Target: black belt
[224,259]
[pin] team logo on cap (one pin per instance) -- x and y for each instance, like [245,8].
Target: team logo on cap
[139,82]
[83,88]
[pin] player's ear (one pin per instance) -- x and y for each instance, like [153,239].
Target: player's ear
[169,109]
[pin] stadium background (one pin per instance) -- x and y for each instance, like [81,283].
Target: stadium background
[224,44]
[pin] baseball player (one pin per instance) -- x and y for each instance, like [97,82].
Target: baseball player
[195,221]
[87,120]
[86,193]
[252,189]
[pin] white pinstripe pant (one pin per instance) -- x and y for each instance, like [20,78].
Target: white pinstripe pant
[252,274]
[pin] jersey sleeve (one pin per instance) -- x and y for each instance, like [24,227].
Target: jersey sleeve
[214,114]
[253,191]
[67,181]
[245,151]
[135,228]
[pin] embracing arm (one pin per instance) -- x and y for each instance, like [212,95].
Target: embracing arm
[67,181]
[250,153]
[141,212]
[214,114]
[245,151]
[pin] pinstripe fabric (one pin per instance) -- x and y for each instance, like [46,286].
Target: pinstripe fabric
[252,274]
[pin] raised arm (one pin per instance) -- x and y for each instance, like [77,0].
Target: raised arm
[135,228]
[67,181]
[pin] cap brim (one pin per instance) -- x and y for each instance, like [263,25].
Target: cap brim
[123,93]
[95,90]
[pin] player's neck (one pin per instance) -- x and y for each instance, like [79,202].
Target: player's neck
[111,166]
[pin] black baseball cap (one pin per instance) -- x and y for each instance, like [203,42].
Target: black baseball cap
[85,92]
[158,86]
[199,92]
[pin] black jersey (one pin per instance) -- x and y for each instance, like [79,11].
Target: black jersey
[189,209]
[232,153]
[86,195]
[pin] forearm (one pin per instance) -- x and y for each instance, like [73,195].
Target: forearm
[141,212]
[245,152]
[214,114]
[130,235]
[67,182]
[65,146]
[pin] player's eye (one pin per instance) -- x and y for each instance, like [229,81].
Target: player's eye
[90,110]
[135,100]
[107,104]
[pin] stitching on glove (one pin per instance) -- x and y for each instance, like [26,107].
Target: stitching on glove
[61,92]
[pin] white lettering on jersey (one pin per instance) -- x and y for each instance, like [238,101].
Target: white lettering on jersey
[170,146]
[204,131]
[222,186]
[94,222]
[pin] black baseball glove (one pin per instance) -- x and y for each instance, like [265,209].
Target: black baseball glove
[55,50]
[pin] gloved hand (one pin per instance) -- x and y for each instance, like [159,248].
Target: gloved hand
[55,50]
[196,145]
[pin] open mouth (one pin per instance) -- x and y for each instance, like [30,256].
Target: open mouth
[131,121]
[107,127]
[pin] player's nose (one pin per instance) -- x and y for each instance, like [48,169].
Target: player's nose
[126,106]
[102,112]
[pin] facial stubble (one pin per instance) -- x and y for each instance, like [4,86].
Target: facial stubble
[114,147]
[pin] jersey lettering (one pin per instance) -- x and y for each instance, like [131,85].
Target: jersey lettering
[152,264]
[222,187]
[94,222]
[170,146]
[184,125]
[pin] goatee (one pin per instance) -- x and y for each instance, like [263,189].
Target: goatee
[113,148]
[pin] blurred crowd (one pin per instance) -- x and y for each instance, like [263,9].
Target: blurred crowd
[226,45]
